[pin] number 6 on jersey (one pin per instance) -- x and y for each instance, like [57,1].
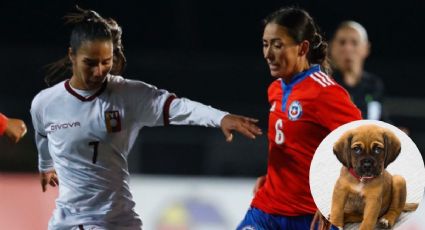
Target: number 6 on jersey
[280,137]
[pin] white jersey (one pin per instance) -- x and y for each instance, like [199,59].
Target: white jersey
[86,137]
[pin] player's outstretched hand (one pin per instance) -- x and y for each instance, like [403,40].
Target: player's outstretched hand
[15,129]
[48,177]
[244,125]
[258,184]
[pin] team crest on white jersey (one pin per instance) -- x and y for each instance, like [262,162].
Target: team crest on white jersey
[113,121]
[295,111]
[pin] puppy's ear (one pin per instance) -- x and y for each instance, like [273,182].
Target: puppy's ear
[392,147]
[342,149]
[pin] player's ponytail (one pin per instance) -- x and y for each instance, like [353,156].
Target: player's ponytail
[88,25]
[119,61]
[301,26]
[318,53]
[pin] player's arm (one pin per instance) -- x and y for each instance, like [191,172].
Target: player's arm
[45,161]
[259,183]
[155,107]
[12,128]
[183,111]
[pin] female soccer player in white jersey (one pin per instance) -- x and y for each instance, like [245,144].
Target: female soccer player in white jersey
[86,125]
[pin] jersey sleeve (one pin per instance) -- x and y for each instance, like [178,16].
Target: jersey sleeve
[45,162]
[156,107]
[334,108]
[148,102]
[3,124]
[187,112]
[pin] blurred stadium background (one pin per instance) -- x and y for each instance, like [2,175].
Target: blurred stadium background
[206,51]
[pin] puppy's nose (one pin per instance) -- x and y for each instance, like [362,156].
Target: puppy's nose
[367,164]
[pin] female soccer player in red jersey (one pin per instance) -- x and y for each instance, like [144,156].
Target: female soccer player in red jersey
[305,106]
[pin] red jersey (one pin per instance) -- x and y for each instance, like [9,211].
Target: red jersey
[303,112]
[3,124]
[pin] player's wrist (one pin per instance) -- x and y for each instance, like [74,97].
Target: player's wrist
[46,170]
[220,118]
[3,124]
[45,165]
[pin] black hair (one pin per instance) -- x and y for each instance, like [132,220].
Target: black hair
[88,25]
[301,26]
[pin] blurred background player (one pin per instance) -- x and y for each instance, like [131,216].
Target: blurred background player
[305,106]
[85,127]
[349,49]
[12,128]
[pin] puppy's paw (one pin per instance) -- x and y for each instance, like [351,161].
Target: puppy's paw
[384,223]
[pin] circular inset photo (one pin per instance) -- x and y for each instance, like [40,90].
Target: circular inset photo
[367,173]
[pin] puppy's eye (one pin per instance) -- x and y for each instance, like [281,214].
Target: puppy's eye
[357,150]
[377,150]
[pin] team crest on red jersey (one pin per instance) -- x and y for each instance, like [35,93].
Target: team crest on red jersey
[295,111]
[113,121]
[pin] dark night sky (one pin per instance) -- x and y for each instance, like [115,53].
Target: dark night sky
[223,28]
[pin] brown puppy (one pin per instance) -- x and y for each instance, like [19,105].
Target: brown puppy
[365,191]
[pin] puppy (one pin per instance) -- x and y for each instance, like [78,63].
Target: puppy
[365,191]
